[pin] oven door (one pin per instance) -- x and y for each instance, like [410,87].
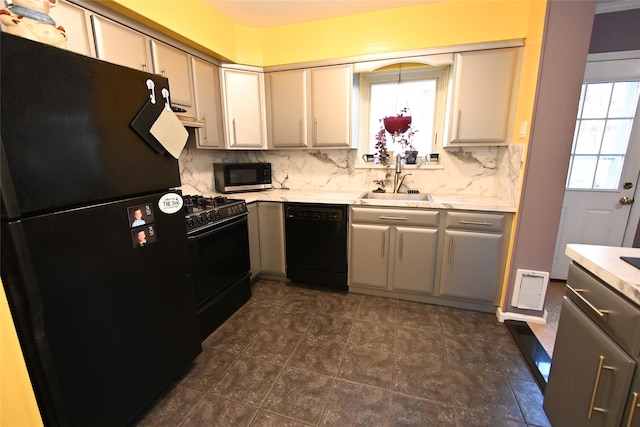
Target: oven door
[219,257]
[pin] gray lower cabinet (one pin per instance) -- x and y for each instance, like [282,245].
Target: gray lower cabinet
[473,256]
[592,380]
[254,240]
[272,252]
[590,374]
[393,249]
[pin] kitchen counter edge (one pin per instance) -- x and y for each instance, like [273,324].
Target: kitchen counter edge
[605,263]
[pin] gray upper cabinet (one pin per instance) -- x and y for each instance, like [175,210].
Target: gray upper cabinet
[208,104]
[174,64]
[483,96]
[121,45]
[76,23]
[330,91]
[287,108]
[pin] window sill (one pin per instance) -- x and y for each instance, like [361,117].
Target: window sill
[425,166]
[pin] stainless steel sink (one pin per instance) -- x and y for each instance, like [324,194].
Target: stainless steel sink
[397,196]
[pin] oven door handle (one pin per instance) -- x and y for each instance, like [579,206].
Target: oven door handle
[231,222]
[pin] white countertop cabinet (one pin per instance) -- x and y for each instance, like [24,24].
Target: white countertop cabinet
[272,241]
[287,108]
[77,25]
[244,109]
[484,88]
[254,240]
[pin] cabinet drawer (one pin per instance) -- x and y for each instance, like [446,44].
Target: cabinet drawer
[395,216]
[475,221]
[616,316]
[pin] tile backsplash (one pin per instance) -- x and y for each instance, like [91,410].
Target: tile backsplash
[485,171]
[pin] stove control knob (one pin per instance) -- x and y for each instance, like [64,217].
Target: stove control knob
[209,217]
[190,222]
[200,219]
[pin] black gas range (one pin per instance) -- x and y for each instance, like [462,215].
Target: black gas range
[217,231]
[205,212]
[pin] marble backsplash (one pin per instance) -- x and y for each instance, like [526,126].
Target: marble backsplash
[480,171]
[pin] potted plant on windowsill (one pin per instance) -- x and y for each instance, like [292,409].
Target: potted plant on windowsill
[406,142]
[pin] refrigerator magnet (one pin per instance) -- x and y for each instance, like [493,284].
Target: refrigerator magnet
[170,203]
[143,236]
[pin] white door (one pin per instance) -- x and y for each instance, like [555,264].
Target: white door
[605,159]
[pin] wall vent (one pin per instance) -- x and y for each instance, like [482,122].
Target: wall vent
[530,289]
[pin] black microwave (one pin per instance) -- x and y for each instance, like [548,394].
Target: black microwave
[232,177]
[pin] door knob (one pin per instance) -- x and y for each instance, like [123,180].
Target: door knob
[626,200]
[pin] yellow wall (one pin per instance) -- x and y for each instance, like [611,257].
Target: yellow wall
[17,402]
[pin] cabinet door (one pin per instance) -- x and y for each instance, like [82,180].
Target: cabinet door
[330,97]
[369,255]
[245,120]
[483,89]
[271,225]
[254,240]
[590,374]
[414,261]
[174,64]
[208,104]
[470,265]
[75,21]
[120,45]
[287,98]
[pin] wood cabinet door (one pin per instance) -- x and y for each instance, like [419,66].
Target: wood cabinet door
[414,259]
[120,45]
[590,374]
[330,100]
[174,64]
[369,255]
[287,108]
[208,104]
[470,265]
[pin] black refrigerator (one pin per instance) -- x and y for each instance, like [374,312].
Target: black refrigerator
[94,254]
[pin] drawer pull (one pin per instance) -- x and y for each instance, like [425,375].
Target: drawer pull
[485,223]
[450,249]
[394,218]
[577,293]
[596,386]
[400,244]
[632,411]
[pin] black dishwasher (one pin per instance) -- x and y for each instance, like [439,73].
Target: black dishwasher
[316,244]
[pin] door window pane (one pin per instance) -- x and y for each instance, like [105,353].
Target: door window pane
[601,136]
[582,171]
[608,172]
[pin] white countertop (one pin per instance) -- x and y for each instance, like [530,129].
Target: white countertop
[605,263]
[353,198]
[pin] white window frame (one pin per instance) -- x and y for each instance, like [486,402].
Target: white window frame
[411,71]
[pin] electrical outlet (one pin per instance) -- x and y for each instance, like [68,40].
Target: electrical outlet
[523,130]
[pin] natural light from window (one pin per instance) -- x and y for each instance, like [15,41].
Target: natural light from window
[601,136]
[421,90]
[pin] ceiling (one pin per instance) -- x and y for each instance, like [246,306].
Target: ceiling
[272,13]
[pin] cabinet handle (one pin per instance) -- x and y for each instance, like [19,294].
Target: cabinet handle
[394,218]
[204,119]
[163,72]
[450,250]
[233,125]
[458,124]
[632,411]
[485,223]
[400,244]
[300,131]
[576,292]
[382,246]
[315,131]
[596,385]
[435,142]
[144,67]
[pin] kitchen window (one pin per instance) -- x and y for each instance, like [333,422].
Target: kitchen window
[420,87]
[601,136]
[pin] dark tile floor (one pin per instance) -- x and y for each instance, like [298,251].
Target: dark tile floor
[297,357]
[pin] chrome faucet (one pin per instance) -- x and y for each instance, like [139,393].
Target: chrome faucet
[397,184]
